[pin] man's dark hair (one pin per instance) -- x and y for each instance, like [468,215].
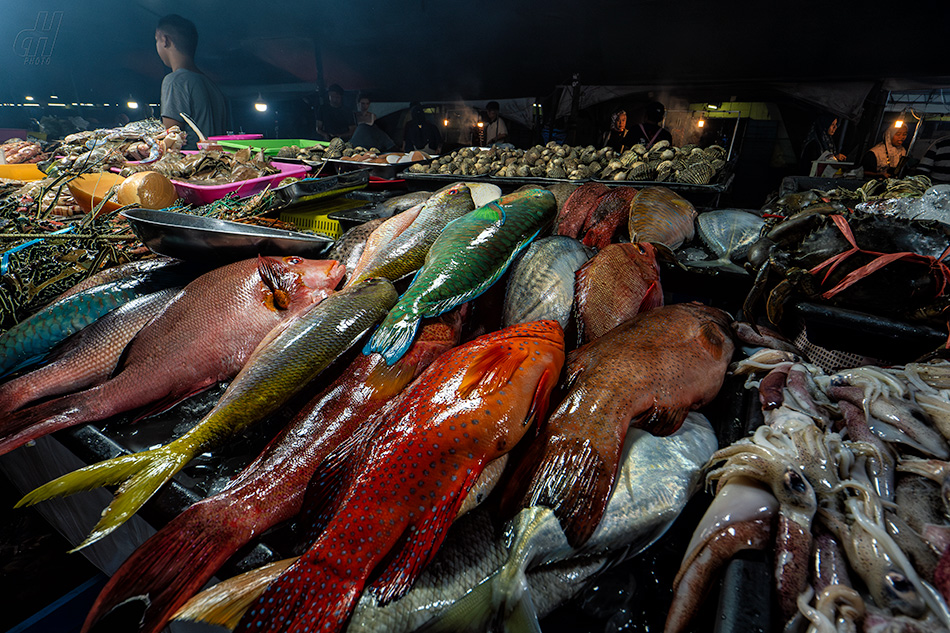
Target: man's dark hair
[337,88]
[655,111]
[180,31]
[492,105]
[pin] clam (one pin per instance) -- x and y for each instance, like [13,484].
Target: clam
[639,149]
[639,171]
[696,174]
[555,171]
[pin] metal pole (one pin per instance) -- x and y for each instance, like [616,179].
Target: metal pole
[575,108]
[735,132]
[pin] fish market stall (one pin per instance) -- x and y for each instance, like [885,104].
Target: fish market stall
[542,398]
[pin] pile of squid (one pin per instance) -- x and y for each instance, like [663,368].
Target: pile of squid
[846,480]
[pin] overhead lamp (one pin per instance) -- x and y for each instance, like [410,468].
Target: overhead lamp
[481,124]
[259,105]
[53,97]
[445,122]
[702,121]
[712,106]
[132,105]
[899,123]
[28,98]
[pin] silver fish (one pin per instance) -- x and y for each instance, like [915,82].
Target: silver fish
[348,249]
[398,204]
[541,284]
[482,192]
[728,233]
[658,476]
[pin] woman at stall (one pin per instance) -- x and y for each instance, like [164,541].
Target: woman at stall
[618,137]
[820,142]
[884,159]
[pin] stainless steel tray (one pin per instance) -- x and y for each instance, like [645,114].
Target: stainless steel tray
[197,238]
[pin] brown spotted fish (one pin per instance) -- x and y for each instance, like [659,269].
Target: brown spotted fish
[658,214]
[648,372]
[615,285]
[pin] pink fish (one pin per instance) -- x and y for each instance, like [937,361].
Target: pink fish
[203,337]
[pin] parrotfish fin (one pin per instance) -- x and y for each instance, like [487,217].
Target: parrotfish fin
[491,369]
[393,337]
[661,421]
[653,298]
[166,403]
[491,212]
[138,476]
[225,603]
[417,546]
[278,279]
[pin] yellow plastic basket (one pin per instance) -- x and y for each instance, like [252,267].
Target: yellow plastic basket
[313,221]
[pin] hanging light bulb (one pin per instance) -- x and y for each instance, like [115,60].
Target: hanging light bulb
[259,105]
[701,122]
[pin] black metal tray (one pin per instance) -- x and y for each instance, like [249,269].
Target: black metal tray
[408,175]
[719,187]
[309,189]
[525,180]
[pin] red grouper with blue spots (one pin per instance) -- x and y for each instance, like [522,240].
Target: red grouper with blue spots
[393,503]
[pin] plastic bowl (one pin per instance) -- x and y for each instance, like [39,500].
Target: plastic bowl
[90,189]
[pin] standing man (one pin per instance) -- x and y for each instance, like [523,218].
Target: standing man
[186,89]
[495,130]
[332,119]
[936,162]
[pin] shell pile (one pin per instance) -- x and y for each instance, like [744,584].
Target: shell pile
[661,163]
[318,153]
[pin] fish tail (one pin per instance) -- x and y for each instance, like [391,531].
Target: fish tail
[226,603]
[393,337]
[722,264]
[172,565]
[138,476]
[26,425]
[309,596]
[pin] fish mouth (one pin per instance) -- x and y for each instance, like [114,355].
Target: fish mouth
[128,615]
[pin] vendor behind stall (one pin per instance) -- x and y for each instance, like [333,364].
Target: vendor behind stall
[186,89]
[819,143]
[884,159]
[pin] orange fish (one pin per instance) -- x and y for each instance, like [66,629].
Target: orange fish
[614,285]
[648,372]
[398,495]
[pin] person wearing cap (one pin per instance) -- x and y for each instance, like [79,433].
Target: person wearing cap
[495,129]
[186,89]
[651,131]
[333,120]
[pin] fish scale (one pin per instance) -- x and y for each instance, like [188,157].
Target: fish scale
[467,410]
[470,255]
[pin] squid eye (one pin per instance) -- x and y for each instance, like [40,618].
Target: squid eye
[795,482]
[293,260]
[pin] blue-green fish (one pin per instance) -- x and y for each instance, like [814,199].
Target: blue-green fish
[469,255]
[30,340]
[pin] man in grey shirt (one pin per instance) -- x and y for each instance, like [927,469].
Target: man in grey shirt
[186,89]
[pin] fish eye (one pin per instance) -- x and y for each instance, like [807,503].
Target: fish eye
[640,248]
[293,259]
[899,583]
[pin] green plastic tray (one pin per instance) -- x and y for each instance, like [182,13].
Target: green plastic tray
[270,146]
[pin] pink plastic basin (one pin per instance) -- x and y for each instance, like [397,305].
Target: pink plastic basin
[205,194]
[236,137]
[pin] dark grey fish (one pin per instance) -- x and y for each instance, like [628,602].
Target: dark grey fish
[728,233]
[398,204]
[541,284]
[348,249]
[482,192]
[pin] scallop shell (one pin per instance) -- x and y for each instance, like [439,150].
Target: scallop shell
[640,171]
[629,157]
[715,151]
[696,174]
[554,171]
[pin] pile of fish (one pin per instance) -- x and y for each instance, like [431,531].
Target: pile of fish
[662,162]
[846,484]
[431,400]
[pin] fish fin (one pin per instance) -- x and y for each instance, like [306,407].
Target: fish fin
[322,497]
[542,399]
[278,279]
[495,604]
[653,298]
[139,476]
[226,602]
[388,380]
[417,547]
[166,403]
[568,475]
[491,369]
[661,421]
[721,264]
[713,337]
[393,337]
[173,564]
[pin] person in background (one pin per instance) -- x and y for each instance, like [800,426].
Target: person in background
[419,133]
[884,159]
[820,142]
[619,138]
[367,133]
[651,130]
[186,89]
[363,115]
[332,119]
[936,162]
[495,129]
